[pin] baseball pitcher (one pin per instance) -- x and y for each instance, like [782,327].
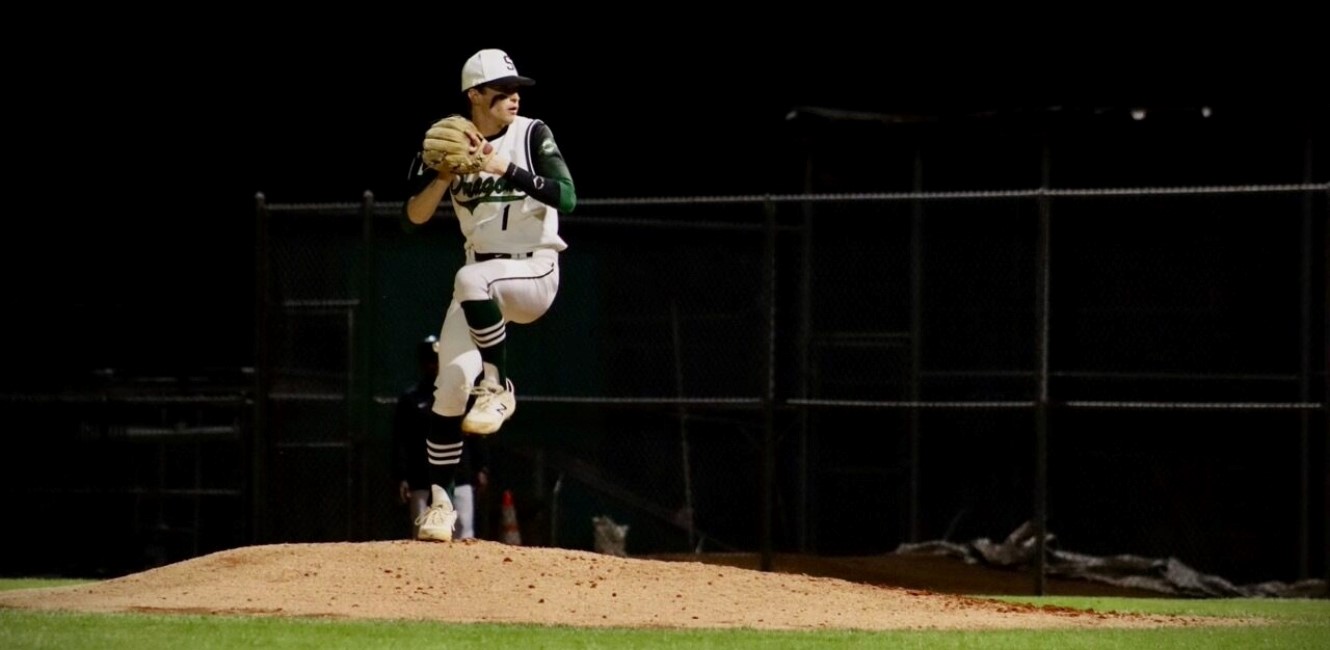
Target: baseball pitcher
[508,182]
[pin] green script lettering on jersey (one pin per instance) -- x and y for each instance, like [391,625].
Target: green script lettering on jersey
[479,186]
[490,189]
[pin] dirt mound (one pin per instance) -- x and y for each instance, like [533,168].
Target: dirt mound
[482,581]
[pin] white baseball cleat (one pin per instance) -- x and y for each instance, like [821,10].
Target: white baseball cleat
[494,405]
[436,524]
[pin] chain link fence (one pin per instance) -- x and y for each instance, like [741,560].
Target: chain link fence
[840,374]
[1138,370]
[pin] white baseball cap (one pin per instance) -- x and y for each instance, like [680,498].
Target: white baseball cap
[490,66]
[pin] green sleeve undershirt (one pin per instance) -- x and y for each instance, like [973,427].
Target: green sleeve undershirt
[549,181]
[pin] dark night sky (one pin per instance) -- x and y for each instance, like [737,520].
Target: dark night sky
[168,135]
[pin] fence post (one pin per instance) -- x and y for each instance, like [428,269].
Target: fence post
[769,393]
[1041,370]
[258,436]
[913,533]
[1305,371]
[365,362]
[804,360]
[1325,395]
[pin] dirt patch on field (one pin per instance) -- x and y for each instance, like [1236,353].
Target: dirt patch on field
[483,581]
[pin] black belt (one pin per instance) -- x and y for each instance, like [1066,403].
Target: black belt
[481,257]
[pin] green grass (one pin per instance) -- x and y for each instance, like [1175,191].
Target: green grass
[33,583]
[1292,624]
[1290,610]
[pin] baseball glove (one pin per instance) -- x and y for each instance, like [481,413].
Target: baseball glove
[454,143]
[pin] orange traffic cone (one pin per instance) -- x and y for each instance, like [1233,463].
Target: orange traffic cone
[511,534]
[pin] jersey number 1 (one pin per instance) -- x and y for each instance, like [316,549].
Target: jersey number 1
[506,208]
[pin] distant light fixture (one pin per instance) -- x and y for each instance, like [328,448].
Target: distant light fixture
[1138,114]
[1205,111]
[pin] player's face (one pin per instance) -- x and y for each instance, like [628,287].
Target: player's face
[502,102]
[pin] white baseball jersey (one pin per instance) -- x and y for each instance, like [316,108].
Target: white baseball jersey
[497,217]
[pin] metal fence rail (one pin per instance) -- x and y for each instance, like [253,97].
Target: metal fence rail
[1133,369]
[765,329]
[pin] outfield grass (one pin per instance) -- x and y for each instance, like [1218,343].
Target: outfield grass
[33,583]
[1292,624]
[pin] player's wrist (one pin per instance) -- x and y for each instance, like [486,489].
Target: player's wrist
[499,166]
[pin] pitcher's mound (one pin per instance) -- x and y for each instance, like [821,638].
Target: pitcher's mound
[483,581]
